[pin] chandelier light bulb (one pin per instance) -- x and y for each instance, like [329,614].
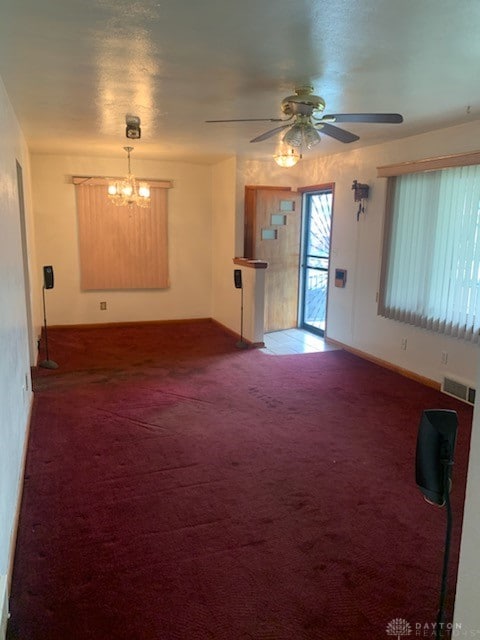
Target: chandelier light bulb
[144,190]
[127,190]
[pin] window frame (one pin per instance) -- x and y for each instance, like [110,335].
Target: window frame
[393,173]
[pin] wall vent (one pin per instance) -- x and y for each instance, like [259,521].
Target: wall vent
[458,389]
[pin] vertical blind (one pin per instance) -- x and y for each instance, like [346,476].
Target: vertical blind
[431,262]
[122,247]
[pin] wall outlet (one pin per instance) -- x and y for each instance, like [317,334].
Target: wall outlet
[444,357]
[403,344]
[103,306]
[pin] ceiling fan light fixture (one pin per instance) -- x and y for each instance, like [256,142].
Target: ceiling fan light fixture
[128,192]
[302,134]
[287,159]
[311,137]
[306,111]
[294,136]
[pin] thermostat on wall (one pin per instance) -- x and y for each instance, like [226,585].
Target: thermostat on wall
[340,277]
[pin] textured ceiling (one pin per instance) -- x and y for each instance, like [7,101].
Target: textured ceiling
[73,69]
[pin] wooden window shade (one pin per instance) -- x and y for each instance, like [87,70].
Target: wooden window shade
[121,247]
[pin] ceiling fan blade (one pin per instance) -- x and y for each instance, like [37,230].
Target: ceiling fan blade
[337,133]
[389,118]
[269,134]
[253,120]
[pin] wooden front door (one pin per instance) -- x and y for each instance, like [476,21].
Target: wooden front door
[272,233]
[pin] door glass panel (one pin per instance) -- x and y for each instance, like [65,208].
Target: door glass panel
[318,216]
[315,262]
[269,234]
[316,299]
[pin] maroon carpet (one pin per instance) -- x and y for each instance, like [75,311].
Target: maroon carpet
[180,489]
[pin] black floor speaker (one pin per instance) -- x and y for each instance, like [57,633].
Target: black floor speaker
[48,282]
[436,439]
[437,434]
[48,278]
[237,278]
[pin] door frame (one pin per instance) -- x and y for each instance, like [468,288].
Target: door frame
[307,191]
[26,269]
[281,250]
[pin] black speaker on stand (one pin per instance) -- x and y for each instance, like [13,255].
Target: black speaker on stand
[48,283]
[437,434]
[237,279]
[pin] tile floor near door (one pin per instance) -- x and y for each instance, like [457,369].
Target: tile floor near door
[291,341]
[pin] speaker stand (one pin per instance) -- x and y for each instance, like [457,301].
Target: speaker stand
[241,344]
[46,364]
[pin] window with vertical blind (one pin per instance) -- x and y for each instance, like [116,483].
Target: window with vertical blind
[431,261]
[121,247]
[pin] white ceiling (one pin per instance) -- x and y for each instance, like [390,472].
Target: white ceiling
[74,68]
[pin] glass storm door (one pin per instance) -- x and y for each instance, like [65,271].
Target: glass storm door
[315,260]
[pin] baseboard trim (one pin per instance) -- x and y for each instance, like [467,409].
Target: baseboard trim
[236,336]
[179,321]
[4,611]
[386,365]
[134,323]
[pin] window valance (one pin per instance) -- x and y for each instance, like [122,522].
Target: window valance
[429,164]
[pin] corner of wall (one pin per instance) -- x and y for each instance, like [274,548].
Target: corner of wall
[3,606]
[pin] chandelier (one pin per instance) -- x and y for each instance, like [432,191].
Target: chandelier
[127,192]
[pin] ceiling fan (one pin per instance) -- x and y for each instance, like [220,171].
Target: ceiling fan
[305,120]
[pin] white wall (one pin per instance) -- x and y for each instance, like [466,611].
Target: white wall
[15,388]
[190,241]
[467,611]
[201,243]
[356,246]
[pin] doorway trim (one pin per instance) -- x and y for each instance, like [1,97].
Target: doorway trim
[25,258]
[310,191]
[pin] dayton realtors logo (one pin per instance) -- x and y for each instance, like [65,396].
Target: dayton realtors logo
[400,628]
